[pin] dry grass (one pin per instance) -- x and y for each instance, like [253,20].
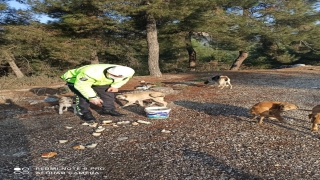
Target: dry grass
[11,82]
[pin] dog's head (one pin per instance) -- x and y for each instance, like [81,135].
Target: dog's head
[66,100]
[316,119]
[213,79]
[284,106]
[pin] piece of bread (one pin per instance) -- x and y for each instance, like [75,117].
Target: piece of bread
[79,147]
[48,154]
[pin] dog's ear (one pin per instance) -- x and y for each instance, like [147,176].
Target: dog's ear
[310,116]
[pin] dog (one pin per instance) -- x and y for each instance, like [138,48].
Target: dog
[144,85]
[222,81]
[141,96]
[315,117]
[66,102]
[271,109]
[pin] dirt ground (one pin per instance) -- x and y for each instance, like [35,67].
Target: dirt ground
[208,135]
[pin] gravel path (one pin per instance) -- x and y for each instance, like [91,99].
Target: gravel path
[211,136]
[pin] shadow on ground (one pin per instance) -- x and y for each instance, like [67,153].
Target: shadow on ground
[209,160]
[216,109]
[15,159]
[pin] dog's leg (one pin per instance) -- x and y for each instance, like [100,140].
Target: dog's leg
[140,103]
[164,104]
[314,127]
[263,115]
[314,124]
[60,109]
[261,119]
[74,106]
[230,86]
[275,115]
[278,116]
[253,116]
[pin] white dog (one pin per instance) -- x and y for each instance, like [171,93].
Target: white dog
[141,96]
[222,81]
[66,102]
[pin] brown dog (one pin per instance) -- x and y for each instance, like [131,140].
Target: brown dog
[315,117]
[141,96]
[271,109]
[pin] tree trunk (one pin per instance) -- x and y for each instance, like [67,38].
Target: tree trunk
[237,63]
[94,57]
[11,60]
[153,47]
[192,53]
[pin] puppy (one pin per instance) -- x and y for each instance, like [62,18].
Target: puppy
[141,96]
[66,102]
[315,118]
[144,85]
[222,81]
[271,109]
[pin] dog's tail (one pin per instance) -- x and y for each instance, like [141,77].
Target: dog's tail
[304,109]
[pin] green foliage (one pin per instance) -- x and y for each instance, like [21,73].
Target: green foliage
[286,58]
[273,32]
[206,53]
[3,6]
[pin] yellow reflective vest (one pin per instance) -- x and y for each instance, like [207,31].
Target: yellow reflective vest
[87,76]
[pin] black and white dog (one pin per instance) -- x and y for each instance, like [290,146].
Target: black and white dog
[222,81]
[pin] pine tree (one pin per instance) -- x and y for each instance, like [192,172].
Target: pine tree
[11,16]
[238,25]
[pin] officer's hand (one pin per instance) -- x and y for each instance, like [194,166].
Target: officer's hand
[112,89]
[96,101]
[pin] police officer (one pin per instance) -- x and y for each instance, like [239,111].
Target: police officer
[97,84]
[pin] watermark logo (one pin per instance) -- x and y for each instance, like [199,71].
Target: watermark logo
[24,170]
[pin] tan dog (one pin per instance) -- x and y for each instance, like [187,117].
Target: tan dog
[315,117]
[222,81]
[141,96]
[66,102]
[271,109]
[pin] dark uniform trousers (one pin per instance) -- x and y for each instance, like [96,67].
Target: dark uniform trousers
[83,104]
